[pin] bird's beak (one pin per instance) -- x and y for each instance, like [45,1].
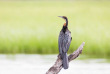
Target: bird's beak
[60,16]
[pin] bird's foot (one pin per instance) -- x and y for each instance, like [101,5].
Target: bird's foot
[59,56]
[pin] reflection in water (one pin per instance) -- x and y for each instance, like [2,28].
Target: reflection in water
[39,64]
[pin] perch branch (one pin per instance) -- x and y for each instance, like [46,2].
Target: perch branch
[55,69]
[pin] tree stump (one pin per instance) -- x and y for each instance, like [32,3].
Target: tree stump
[55,69]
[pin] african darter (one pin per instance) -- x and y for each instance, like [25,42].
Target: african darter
[64,42]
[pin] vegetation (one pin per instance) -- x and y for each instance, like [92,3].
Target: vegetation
[33,27]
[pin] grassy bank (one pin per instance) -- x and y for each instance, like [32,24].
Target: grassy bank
[33,27]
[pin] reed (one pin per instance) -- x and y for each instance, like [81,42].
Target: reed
[33,26]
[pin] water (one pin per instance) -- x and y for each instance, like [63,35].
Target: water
[39,64]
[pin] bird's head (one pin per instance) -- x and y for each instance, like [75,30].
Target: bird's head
[64,17]
[66,20]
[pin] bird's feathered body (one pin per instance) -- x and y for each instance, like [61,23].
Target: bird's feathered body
[64,41]
[64,44]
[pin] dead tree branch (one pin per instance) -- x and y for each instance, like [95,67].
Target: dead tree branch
[55,69]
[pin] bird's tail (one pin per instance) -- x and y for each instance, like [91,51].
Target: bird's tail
[65,61]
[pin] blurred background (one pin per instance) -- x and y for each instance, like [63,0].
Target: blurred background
[29,35]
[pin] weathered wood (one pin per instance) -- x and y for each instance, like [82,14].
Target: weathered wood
[55,69]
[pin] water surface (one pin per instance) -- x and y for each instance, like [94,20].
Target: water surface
[39,64]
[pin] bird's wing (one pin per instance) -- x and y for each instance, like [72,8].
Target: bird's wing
[67,41]
[64,41]
[60,42]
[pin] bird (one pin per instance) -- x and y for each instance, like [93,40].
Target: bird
[64,42]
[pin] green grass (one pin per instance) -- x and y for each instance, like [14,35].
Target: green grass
[33,27]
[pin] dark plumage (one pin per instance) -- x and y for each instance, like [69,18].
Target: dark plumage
[64,42]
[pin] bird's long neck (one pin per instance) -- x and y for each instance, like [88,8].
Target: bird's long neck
[65,26]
